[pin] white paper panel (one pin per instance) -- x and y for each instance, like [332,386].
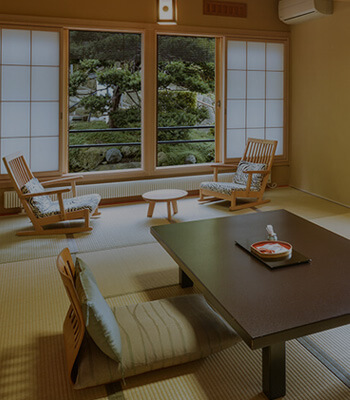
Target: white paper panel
[15,47]
[235,114]
[235,143]
[45,48]
[274,113]
[255,113]
[15,83]
[236,55]
[15,119]
[256,133]
[256,56]
[256,85]
[274,85]
[276,134]
[275,56]
[236,84]
[44,121]
[9,146]
[44,154]
[45,83]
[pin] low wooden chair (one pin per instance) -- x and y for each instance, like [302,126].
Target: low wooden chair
[39,206]
[250,179]
[89,365]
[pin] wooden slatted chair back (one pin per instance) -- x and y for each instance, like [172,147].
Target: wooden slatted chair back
[260,151]
[73,327]
[18,170]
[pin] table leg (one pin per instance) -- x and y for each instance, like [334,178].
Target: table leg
[169,210]
[174,206]
[185,281]
[151,208]
[274,371]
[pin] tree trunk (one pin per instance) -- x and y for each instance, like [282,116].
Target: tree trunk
[115,103]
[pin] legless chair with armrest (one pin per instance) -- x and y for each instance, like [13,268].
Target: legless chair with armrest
[38,205]
[250,179]
[186,328]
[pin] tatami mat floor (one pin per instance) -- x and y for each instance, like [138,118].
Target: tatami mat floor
[130,266]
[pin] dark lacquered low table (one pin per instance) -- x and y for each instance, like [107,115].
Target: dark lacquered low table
[266,307]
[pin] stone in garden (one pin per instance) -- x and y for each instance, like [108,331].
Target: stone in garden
[190,159]
[86,159]
[113,156]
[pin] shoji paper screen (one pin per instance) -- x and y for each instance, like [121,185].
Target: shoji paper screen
[29,99]
[255,94]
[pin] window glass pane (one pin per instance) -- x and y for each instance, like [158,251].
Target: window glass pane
[186,100]
[15,119]
[236,55]
[9,146]
[236,84]
[44,119]
[255,113]
[105,99]
[274,85]
[45,48]
[235,143]
[256,56]
[236,114]
[256,85]
[44,154]
[45,83]
[15,83]
[276,134]
[15,46]
[274,113]
[275,56]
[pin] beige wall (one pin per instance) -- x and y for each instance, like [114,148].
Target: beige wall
[262,14]
[320,105]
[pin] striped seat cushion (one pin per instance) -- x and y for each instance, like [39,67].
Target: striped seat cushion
[154,335]
[222,187]
[43,206]
[87,202]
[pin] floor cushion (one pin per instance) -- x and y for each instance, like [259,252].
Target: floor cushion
[154,335]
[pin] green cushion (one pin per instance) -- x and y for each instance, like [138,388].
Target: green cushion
[98,317]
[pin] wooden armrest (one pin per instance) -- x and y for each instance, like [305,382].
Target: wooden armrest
[62,180]
[47,192]
[216,167]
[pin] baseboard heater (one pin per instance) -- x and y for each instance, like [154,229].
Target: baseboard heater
[116,190]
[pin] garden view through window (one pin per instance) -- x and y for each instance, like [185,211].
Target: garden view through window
[104,101]
[186,100]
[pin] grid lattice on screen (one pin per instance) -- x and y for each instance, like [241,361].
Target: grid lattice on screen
[29,97]
[255,94]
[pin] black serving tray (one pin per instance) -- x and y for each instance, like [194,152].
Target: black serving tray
[294,259]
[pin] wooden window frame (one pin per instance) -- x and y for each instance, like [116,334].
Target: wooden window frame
[149,32]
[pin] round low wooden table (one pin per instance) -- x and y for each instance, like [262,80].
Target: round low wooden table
[168,195]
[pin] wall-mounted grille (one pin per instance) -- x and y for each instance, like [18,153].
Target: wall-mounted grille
[130,188]
[224,9]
